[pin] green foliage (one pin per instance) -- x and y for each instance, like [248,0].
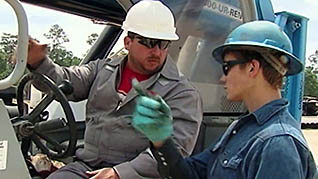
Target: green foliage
[63,57]
[57,36]
[57,51]
[5,67]
[8,44]
[92,38]
[90,41]
[311,82]
[311,78]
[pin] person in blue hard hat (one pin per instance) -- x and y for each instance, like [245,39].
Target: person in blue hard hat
[112,147]
[264,143]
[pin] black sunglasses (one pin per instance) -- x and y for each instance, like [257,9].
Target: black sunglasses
[151,43]
[226,66]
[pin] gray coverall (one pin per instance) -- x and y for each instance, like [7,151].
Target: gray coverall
[110,140]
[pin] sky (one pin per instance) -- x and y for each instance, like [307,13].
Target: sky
[307,8]
[78,29]
[40,20]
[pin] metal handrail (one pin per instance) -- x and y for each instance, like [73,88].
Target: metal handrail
[22,49]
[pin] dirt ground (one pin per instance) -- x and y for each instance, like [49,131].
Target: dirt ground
[312,139]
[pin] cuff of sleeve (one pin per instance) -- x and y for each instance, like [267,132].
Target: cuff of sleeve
[37,66]
[167,156]
[44,66]
[124,170]
[168,148]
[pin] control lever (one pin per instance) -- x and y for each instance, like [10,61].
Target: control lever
[50,124]
[66,87]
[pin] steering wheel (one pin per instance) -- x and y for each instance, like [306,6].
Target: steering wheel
[32,127]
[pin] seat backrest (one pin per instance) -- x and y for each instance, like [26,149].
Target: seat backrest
[211,129]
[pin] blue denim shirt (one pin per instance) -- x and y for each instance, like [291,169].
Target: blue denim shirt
[265,144]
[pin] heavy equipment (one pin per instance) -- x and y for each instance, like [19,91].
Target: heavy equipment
[202,25]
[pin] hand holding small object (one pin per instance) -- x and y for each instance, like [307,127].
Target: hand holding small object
[152,115]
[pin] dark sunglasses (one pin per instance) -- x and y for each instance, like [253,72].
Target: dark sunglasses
[226,66]
[151,43]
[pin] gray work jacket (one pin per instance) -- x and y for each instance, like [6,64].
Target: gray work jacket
[110,139]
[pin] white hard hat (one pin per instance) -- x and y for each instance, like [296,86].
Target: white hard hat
[151,19]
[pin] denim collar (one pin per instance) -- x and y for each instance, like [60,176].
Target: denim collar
[265,113]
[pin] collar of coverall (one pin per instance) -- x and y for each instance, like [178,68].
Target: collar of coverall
[169,69]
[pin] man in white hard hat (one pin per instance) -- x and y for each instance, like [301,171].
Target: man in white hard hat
[113,148]
[266,142]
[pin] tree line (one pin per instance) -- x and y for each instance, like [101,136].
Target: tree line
[311,76]
[56,51]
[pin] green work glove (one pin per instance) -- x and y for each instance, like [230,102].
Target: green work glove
[152,117]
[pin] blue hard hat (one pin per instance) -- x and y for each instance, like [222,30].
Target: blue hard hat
[262,35]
